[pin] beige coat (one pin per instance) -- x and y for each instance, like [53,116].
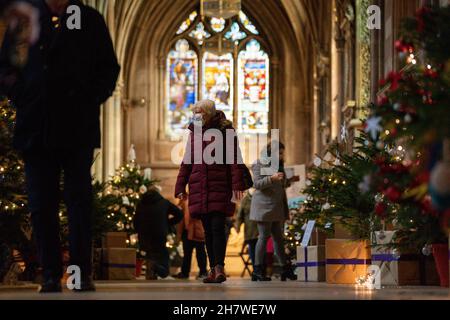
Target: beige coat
[269,202]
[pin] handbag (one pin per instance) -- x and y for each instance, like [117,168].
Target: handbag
[247,176]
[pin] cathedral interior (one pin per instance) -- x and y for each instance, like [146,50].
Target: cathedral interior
[318,64]
[309,68]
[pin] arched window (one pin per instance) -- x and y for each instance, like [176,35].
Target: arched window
[222,60]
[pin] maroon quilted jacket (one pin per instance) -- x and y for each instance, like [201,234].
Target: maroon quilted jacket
[210,185]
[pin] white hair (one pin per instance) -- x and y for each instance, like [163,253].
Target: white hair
[208,106]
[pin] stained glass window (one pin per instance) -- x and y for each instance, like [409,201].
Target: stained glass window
[247,23]
[187,23]
[200,33]
[215,50]
[253,87]
[235,34]
[218,80]
[218,24]
[183,72]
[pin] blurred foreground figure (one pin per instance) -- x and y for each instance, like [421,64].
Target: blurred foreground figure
[57,92]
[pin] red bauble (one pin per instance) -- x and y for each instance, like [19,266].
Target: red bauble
[380,209]
[427,207]
[393,194]
[382,100]
[423,177]
[394,78]
[399,45]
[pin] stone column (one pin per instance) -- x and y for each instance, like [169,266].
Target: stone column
[363,57]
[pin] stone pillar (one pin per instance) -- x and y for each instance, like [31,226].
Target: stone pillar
[109,157]
[375,45]
[363,57]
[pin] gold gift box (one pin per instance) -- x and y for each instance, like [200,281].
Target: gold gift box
[119,264]
[346,260]
[114,240]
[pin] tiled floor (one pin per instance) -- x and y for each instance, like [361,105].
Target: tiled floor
[233,289]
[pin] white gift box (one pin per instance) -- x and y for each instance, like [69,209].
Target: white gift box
[311,263]
[384,258]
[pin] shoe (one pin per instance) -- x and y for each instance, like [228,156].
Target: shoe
[202,275]
[288,273]
[181,276]
[220,274]
[50,286]
[87,285]
[258,274]
[211,278]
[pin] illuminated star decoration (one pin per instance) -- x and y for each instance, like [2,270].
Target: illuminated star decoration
[373,127]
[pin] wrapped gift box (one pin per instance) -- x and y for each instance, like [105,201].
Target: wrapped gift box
[340,232]
[410,269]
[118,264]
[417,270]
[311,263]
[384,258]
[114,240]
[346,260]
[318,238]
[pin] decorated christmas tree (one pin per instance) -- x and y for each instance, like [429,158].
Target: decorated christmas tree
[412,118]
[293,232]
[337,192]
[15,233]
[123,191]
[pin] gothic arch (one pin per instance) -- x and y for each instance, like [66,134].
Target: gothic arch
[142,31]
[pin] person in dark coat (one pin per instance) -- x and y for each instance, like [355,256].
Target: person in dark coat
[57,93]
[152,221]
[211,186]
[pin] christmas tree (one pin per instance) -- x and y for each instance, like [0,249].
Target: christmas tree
[293,233]
[15,234]
[122,193]
[336,190]
[412,119]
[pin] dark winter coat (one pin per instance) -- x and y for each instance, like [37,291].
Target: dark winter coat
[153,219]
[211,185]
[68,75]
[4,4]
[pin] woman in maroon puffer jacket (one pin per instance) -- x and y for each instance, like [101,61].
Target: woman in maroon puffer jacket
[212,185]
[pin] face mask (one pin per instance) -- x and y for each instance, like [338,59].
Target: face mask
[198,119]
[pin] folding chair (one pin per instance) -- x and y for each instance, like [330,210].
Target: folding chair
[246,260]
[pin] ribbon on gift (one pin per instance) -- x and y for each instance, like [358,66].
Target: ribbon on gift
[309,264]
[349,261]
[384,257]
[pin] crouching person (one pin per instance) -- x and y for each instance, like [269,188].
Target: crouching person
[154,216]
